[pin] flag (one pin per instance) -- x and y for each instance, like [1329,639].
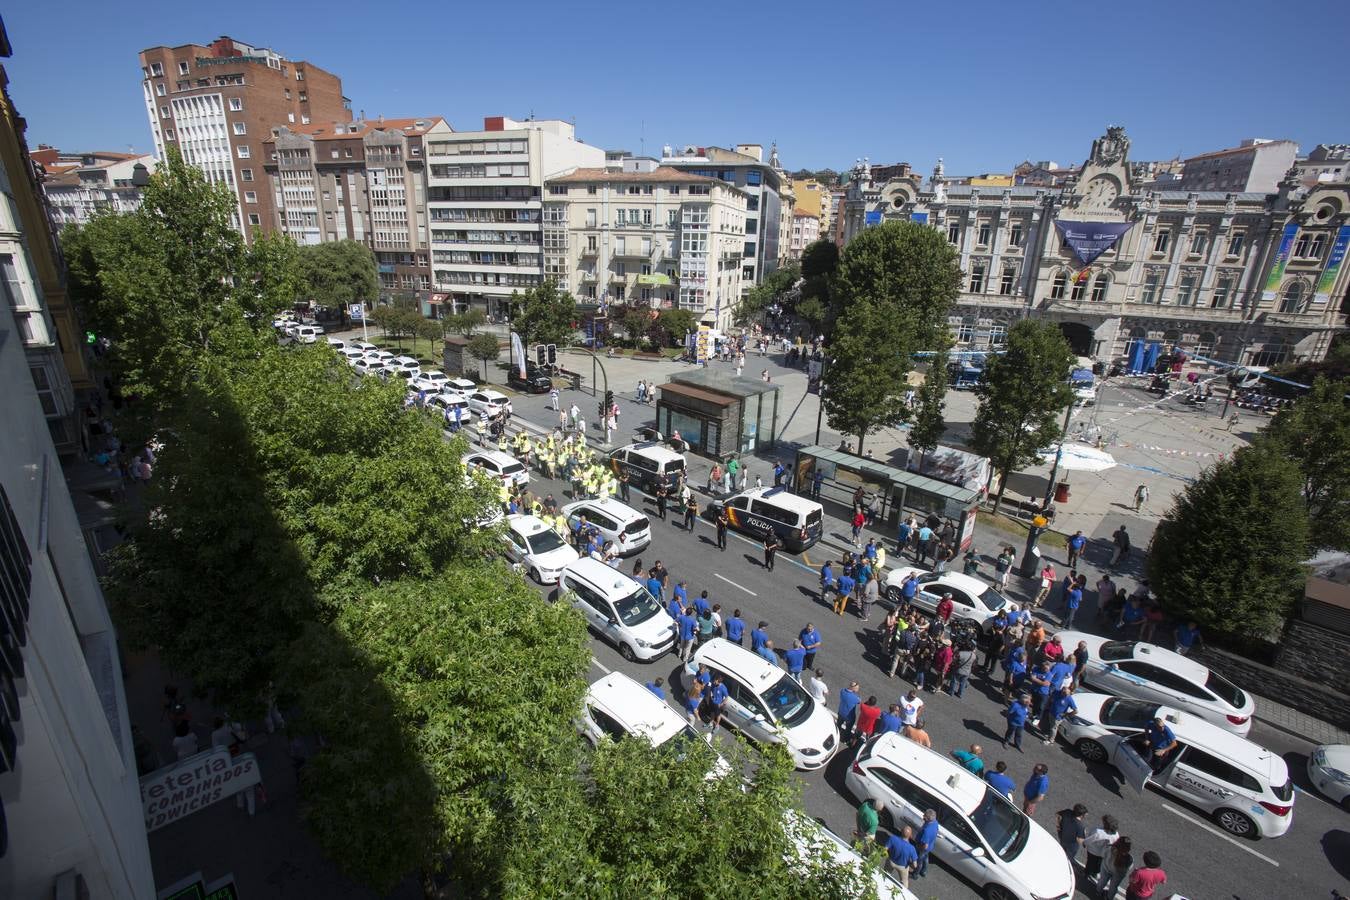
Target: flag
[518,353]
[1082,276]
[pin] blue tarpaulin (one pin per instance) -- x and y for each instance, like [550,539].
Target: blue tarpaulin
[1137,356]
[1081,375]
[1151,355]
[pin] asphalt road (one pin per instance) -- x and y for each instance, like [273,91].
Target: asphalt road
[1201,861]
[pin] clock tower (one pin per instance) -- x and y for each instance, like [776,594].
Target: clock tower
[1104,180]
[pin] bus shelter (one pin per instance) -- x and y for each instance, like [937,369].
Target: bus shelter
[893,492]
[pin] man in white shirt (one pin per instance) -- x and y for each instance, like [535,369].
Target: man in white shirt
[819,689]
[910,707]
[1098,844]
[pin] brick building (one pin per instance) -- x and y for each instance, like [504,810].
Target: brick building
[218,103]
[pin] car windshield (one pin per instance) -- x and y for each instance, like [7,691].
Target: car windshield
[637,607]
[1114,651]
[1128,713]
[513,469]
[675,465]
[992,599]
[1225,690]
[1003,825]
[637,526]
[544,541]
[788,702]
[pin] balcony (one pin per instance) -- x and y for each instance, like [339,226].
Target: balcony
[590,251]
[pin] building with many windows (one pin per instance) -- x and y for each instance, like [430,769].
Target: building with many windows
[638,233]
[764,185]
[218,103]
[805,231]
[77,185]
[363,181]
[485,205]
[1246,277]
[1254,165]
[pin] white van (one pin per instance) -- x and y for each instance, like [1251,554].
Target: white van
[628,529]
[766,704]
[649,465]
[618,609]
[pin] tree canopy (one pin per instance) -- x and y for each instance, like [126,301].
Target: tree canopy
[543,315]
[929,424]
[774,288]
[1315,433]
[338,273]
[1021,397]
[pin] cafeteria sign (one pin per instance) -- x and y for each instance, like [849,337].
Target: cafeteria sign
[192,784]
[1089,240]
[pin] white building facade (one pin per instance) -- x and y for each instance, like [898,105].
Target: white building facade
[485,206]
[639,234]
[94,182]
[805,231]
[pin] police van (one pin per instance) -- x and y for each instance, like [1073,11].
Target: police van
[798,522]
[649,465]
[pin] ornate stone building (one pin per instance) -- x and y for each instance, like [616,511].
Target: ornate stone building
[1251,278]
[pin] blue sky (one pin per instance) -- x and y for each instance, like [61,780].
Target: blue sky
[982,84]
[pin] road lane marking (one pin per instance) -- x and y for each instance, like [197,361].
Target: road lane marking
[807,559]
[1219,834]
[601,666]
[735,585]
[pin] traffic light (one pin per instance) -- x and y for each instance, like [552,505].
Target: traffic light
[552,351]
[609,399]
[540,355]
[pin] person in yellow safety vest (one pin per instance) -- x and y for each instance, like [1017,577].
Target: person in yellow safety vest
[881,558]
[559,524]
[504,495]
[536,507]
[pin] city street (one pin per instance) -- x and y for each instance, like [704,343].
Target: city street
[1201,861]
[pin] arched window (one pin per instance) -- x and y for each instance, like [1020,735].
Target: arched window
[1100,286]
[1079,289]
[965,333]
[1206,344]
[1272,353]
[1291,301]
[1058,286]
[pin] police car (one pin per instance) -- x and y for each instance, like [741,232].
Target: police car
[649,465]
[759,512]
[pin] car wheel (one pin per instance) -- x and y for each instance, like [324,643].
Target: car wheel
[627,653]
[893,594]
[1091,751]
[998,892]
[534,573]
[1235,823]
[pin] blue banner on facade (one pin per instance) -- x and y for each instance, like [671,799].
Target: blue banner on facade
[870,219]
[921,218]
[1322,293]
[1089,240]
[1281,261]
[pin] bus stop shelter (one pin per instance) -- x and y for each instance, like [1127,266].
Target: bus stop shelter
[896,492]
[719,414]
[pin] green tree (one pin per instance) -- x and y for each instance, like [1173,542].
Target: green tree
[677,323]
[484,347]
[430,331]
[1229,552]
[543,315]
[813,312]
[820,257]
[1021,397]
[338,273]
[775,288]
[1315,433]
[465,323]
[636,322]
[896,282]
[929,424]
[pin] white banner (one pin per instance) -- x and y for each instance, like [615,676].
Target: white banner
[192,784]
[517,354]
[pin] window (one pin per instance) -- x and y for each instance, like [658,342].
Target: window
[183,68]
[954,232]
[1007,281]
[752,226]
[240,128]
[159,89]
[250,197]
[244,151]
[236,104]
[752,204]
[590,218]
[749,248]
[592,243]
[290,117]
[1308,246]
[1079,288]
[1186,290]
[1216,768]
[1199,241]
[558,190]
[909,793]
[1223,291]
[982,236]
[1015,235]
[1059,285]
[163,112]
[672,218]
[1099,287]
[157,69]
[1150,292]
[647,217]
[168,135]
[965,332]
[254,219]
[977,278]
[1235,243]
[751,177]
[304,97]
[1291,301]
[1162,240]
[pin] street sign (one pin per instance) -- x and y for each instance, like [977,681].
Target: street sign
[357,312]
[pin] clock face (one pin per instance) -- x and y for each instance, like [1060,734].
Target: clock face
[1102,191]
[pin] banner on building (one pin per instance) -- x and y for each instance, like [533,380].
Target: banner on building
[1089,240]
[1281,260]
[1322,293]
[703,344]
[871,218]
[920,217]
[194,783]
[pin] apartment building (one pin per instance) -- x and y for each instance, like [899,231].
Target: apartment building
[217,104]
[1255,165]
[805,231]
[485,205]
[1248,277]
[363,181]
[763,183]
[78,185]
[71,821]
[638,233]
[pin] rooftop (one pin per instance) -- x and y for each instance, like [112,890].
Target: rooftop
[658,175]
[341,131]
[1232,151]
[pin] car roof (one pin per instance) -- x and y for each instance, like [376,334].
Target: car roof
[609,505]
[636,708]
[781,496]
[963,582]
[653,449]
[759,672]
[1191,729]
[526,524]
[428,373]
[497,456]
[491,394]
[600,576]
[943,776]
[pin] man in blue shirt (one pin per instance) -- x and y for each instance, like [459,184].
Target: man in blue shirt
[901,856]
[1017,714]
[891,720]
[902,538]
[1037,786]
[674,607]
[1060,674]
[681,593]
[1061,705]
[653,586]
[870,551]
[925,538]
[759,636]
[826,580]
[735,627]
[702,606]
[656,687]
[848,706]
[909,588]
[998,779]
[717,701]
[688,626]
[1187,636]
[796,659]
[843,591]
[1076,545]
[1073,598]
[925,841]
[1161,743]
[810,639]
[767,653]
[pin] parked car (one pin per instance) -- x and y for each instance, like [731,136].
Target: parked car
[797,521]
[406,366]
[536,548]
[618,707]
[336,343]
[1148,672]
[534,382]
[351,356]
[489,401]
[431,381]
[463,385]
[498,466]
[1329,770]
[648,465]
[972,600]
[363,346]
[618,609]
[983,836]
[627,528]
[1243,786]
